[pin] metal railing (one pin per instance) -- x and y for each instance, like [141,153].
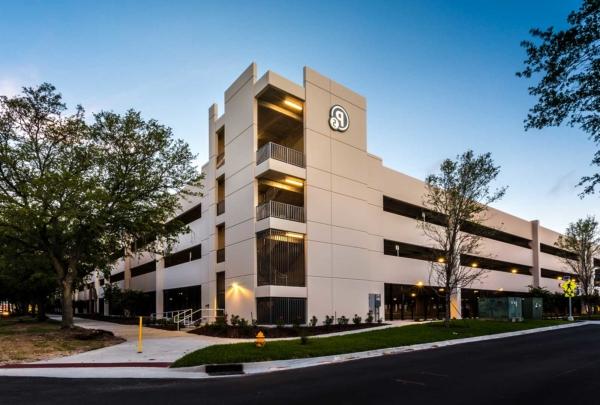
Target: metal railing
[220,159]
[279,152]
[276,209]
[220,255]
[187,317]
[221,207]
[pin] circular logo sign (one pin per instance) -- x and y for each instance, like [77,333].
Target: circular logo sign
[338,118]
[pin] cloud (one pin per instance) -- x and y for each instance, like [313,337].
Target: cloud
[10,87]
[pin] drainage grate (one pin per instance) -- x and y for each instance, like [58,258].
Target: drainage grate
[224,369]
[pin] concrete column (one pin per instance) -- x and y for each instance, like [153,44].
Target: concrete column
[455,304]
[213,114]
[97,286]
[536,270]
[127,271]
[160,282]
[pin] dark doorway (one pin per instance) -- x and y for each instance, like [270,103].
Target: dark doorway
[183,298]
[221,293]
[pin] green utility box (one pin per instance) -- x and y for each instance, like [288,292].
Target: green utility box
[533,307]
[508,308]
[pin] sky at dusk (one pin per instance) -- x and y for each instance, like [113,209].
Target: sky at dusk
[439,76]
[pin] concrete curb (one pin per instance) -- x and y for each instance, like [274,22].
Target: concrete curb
[199,372]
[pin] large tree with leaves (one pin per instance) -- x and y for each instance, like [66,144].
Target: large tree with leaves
[566,67]
[582,238]
[81,192]
[457,196]
[26,277]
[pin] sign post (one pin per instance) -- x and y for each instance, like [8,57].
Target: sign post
[570,288]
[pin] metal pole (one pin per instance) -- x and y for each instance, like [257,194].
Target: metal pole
[140,347]
[570,318]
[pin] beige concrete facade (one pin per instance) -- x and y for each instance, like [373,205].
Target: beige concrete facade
[343,224]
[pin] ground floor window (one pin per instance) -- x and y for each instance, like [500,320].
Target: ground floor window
[137,305]
[413,302]
[276,310]
[176,299]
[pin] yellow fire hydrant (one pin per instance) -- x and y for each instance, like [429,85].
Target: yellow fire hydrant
[260,339]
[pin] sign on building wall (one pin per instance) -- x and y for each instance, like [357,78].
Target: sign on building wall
[338,118]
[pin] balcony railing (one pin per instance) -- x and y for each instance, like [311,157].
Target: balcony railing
[279,152]
[276,209]
[220,159]
[220,255]
[220,207]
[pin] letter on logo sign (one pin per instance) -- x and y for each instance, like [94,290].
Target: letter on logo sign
[338,118]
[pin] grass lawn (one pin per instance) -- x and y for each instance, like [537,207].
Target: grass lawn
[379,339]
[24,339]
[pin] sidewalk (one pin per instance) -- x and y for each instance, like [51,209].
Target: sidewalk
[160,346]
[249,368]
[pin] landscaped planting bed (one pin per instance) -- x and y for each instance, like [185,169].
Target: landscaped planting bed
[228,331]
[236,327]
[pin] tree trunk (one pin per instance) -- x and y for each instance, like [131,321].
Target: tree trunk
[41,313]
[67,302]
[447,315]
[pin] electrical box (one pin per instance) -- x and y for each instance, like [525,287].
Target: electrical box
[533,307]
[508,308]
[374,305]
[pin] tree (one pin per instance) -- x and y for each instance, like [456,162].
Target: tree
[567,63]
[82,192]
[26,278]
[582,238]
[458,196]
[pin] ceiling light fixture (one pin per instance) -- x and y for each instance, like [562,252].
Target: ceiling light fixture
[294,182]
[292,104]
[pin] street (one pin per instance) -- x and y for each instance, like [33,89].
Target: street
[558,367]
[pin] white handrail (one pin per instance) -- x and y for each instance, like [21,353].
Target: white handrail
[186,317]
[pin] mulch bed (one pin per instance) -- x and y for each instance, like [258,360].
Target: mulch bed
[27,340]
[275,332]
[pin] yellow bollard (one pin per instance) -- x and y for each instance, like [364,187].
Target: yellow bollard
[260,339]
[140,346]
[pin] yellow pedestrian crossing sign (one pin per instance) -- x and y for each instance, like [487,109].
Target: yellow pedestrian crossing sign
[569,288]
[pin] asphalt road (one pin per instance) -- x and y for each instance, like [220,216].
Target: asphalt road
[559,367]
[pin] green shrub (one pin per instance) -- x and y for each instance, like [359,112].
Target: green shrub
[369,318]
[313,321]
[342,320]
[328,320]
[357,319]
